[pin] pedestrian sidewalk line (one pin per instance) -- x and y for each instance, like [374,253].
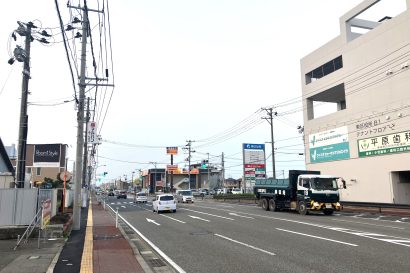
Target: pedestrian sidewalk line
[87,257]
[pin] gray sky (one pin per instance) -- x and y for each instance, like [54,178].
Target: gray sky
[183,70]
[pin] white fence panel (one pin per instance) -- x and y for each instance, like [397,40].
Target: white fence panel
[17,206]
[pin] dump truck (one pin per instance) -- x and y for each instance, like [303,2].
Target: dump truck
[303,191]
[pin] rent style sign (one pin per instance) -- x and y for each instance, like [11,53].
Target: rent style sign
[47,155]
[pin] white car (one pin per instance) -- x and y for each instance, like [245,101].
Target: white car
[185,196]
[164,202]
[141,197]
[236,191]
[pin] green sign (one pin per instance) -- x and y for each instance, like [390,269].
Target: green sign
[330,152]
[386,144]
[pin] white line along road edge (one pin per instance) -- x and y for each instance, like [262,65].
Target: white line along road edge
[159,251]
[317,237]
[244,244]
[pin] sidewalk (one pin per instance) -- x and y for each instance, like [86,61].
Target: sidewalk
[111,251]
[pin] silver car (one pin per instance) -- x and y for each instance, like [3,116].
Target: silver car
[185,196]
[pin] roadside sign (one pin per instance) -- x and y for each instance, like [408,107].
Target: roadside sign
[46,213]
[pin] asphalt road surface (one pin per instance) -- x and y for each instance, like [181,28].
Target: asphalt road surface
[209,236]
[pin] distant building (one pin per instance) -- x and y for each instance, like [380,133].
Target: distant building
[44,160]
[232,183]
[11,151]
[364,73]
[6,169]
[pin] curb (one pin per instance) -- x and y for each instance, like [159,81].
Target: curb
[53,263]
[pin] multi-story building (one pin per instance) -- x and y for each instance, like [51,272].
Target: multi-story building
[364,73]
[44,160]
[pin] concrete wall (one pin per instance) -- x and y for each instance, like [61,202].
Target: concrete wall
[372,95]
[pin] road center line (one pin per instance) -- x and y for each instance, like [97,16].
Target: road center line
[317,237]
[173,219]
[244,244]
[209,214]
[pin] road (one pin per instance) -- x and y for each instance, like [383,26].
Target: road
[208,236]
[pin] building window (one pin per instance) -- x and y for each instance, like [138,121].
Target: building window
[324,70]
[38,171]
[28,170]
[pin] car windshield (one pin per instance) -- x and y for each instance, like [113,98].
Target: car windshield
[186,193]
[324,183]
[141,194]
[166,198]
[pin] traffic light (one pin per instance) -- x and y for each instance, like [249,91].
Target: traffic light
[105,173]
[204,164]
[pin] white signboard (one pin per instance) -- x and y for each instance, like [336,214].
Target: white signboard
[92,132]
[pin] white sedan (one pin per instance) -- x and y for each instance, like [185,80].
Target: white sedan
[164,202]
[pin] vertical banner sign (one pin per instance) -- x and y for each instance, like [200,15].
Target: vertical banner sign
[329,145]
[92,132]
[172,150]
[46,213]
[253,163]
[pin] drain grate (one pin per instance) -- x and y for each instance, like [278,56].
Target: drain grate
[106,237]
[156,263]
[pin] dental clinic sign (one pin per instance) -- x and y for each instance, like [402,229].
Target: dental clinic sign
[387,144]
[46,155]
[329,145]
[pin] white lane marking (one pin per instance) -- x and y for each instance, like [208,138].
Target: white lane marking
[159,251]
[130,202]
[317,237]
[338,220]
[209,214]
[244,244]
[152,221]
[112,203]
[199,218]
[234,214]
[374,236]
[173,219]
[123,207]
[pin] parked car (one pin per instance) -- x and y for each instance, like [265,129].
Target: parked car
[219,191]
[164,202]
[122,194]
[204,191]
[236,191]
[141,197]
[185,196]
[197,193]
[111,193]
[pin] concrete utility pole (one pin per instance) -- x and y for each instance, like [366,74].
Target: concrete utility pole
[80,127]
[87,119]
[22,141]
[207,166]
[223,169]
[270,113]
[188,147]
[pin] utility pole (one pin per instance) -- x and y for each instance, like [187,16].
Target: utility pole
[188,147]
[85,182]
[223,169]
[22,141]
[270,113]
[80,126]
[207,166]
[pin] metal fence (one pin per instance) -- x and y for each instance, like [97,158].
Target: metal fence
[19,206]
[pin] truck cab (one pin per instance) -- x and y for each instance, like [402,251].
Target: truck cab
[317,192]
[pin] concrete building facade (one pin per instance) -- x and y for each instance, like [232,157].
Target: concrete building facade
[365,74]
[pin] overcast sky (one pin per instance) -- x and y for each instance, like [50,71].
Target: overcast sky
[184,70]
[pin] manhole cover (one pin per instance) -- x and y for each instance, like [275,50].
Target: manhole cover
[156,263]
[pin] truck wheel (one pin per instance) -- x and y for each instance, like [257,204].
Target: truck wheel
[265,204]
[272,205]
[328,212]
[302,208]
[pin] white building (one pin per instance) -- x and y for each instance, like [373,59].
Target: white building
[365,74]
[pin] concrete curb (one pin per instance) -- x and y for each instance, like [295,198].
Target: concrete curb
[53,263]
[137,254]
